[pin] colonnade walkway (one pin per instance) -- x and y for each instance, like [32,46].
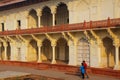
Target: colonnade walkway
[49,73]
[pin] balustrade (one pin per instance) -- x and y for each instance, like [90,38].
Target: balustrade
[66,27]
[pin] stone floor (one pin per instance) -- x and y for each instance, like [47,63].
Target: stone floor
[5,74]
[48,73]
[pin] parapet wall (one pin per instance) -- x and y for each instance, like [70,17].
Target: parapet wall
[65,68]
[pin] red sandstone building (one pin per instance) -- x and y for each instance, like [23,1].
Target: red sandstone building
[61,32]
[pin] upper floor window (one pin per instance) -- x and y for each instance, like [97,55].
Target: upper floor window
[2,26]
[18,24]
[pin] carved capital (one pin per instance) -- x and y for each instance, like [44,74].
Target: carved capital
[5,44]
[53,42]
[39,43]
[116,42]
[39,12]
[53,9]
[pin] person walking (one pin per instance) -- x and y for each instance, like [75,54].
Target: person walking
[82,70]
[85,66]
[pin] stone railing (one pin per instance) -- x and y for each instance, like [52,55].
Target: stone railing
[66,27]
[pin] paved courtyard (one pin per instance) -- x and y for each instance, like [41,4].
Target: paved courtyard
[9,71]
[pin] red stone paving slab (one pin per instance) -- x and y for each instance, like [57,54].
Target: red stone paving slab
[54,73]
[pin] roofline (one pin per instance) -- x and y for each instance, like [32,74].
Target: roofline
[12,2]
[20,3]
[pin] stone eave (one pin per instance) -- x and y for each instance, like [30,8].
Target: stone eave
[20,3]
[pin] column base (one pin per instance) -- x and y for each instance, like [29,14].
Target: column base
[39,61]
[100,65]
[5,59]
[73,64]
[53,61]
[117,67]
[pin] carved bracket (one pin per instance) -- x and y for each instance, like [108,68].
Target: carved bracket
[39,42]
[114,36]
[65,36]
[53,41]
[73,38]
[23,39]
[11,40]
[99,41]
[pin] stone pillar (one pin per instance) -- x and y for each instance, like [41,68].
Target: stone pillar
[13,56]
[39,14]
[53,52]
[117,65]
[24,52]
[99,54]
[53,58]
[75,45]
[39,44]
[72,53]
[39,54]
[75,41]
[5,54]
[53,10]
[53,18]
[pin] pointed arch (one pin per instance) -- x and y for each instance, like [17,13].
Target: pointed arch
[62,51]
[8,51]
[33,51]
[62,14]
[108,55]
[33,19]
[2,51]
[46,18]
[83,51]
[46,51]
